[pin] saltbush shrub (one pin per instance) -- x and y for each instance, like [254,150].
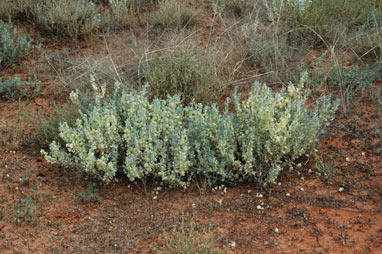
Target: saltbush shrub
[73,19]
[13,88]
[13,44]
[176,144]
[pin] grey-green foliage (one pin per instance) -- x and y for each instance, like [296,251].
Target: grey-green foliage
[176,144]
[13,44]
[25,211]
[354,82]
[69,18]
[14,88]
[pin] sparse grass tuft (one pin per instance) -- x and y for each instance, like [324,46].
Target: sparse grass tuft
[187,240]
[13,134]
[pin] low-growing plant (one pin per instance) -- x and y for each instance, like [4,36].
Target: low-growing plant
[353,82]
[73,19]
[174,14]
[88,196]
[14,44]
[163,139]
[25,211]
[13,88]
[184,74]
[187,240]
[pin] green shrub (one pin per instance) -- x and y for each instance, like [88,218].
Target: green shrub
[14,89]
[174,14]
[13,44]
[120,14]
[16,8]
[73,19]
[176,144]
[311,21]
[184,74]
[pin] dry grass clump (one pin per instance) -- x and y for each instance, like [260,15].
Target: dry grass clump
[174,14]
